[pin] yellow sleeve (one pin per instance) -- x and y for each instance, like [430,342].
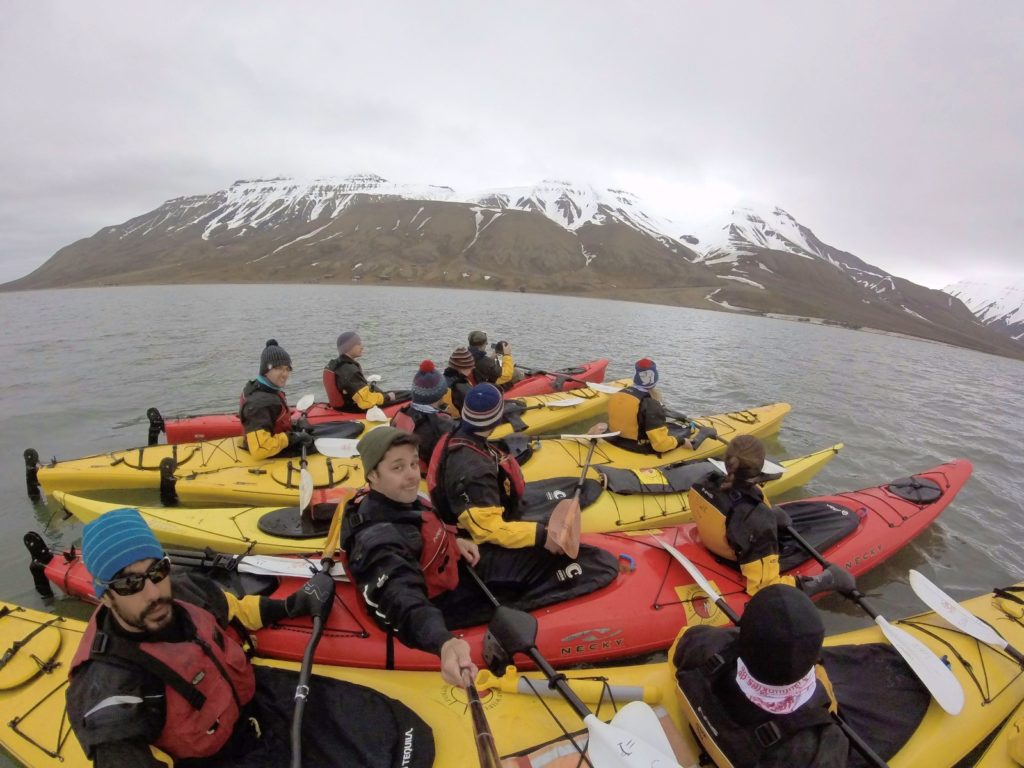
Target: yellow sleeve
[366,398]
[245,610]
[763,573]
[661,440]
[263,445]
[508,370]
[487,526]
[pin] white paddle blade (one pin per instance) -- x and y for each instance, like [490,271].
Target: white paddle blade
[376,414]
[936,676]
[587,436]
[304,404]
[719,466]
[305,489]
[691,569]
[606,388]
[337,447]
[373,378]
[609,746]
[566,402]
[771,468]
[641,720]
[295,567]
[952,611]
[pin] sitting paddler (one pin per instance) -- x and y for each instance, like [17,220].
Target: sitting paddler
[159,665]
[754,694]
[476,485]
[426,416]
[736,522]
[486,365]
[264,412]
[459,376]
[411,567]
[637,414]
[352,392]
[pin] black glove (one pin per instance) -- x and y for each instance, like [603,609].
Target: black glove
[314,599]
[297,439]
[301,424]
[831,579]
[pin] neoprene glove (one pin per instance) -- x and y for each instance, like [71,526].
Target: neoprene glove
[831,579]
[297,439]
[313,599]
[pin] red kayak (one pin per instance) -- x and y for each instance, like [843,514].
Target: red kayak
[191,429]
[640,612]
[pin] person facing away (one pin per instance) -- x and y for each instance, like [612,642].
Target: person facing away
[637,414]
[496,367]
[412,568]
[755,695]
[426,415]
[736,522]
[460,378]
[264,412]
[354,393]
[157,667]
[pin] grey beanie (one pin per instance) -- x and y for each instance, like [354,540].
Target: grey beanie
[347,340]
[273,356]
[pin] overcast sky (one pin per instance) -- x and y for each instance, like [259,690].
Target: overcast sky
[893,130]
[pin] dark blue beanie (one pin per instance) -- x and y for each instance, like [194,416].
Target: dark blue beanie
[482,408]
[646,374]
[114,541]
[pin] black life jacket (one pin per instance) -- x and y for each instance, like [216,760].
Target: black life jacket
[283,420]
[510,475]
[429,427]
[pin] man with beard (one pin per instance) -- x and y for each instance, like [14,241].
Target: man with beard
[159,669]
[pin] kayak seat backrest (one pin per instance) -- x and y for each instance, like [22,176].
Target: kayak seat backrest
[919,490]
[334,396]
[654,479]
[519,446]
[541,496]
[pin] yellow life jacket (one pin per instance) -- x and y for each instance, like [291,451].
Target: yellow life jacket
[624,414]
[711,522]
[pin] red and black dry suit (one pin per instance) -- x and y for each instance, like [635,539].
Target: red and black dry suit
[190,690]
[356,392]
[421,591]
[266,420]
[705,661]
[428,425]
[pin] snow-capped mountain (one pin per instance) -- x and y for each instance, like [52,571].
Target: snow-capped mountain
[1000,307]
[555,237]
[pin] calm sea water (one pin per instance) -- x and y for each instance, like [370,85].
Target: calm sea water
[78,369]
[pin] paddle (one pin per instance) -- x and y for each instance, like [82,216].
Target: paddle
[633,739]
[305,479]
[859,744]
[259,565]
[936,676]
[564,523]
[565,402]
[958,616]
[486,749]
[302,689]
[596,386]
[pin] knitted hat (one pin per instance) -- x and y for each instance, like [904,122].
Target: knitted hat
[476,338]
[482,408]
[114,541]
[780,635]
[374,444]
[347,341]
[428,385]
[461,358]
[646,373]
[272,356]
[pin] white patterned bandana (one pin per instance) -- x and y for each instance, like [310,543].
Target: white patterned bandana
[777,699]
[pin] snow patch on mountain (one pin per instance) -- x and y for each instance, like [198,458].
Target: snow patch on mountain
[992,303]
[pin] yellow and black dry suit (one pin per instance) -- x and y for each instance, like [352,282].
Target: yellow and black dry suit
[266,420]
[640,421]
[356,391]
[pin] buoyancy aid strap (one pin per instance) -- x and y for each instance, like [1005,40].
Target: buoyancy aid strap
[112,646]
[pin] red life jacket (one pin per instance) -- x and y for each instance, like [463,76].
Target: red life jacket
[283,420]
[334,396]
[439,556]
[207,680]
[509,472]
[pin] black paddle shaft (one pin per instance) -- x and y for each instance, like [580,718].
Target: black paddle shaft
[854,595]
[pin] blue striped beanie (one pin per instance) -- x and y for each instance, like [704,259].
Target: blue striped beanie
[482,409]
[114,541]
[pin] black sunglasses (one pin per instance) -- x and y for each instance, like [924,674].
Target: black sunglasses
[132,583]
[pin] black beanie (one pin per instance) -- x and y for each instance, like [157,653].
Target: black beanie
[273,356]
[780,635]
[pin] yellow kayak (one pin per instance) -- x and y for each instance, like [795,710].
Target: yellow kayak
[139,468]
[236,529]
[33,682]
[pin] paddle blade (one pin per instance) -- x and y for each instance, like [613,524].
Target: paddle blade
[642,721]
[567,402]
[305,403]
[305,489]
[275,565]
[607,389]
[936,676]
[337,447]
[952,611]
[610,746]
[376,414]
[564,527]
